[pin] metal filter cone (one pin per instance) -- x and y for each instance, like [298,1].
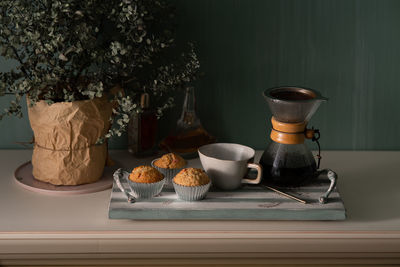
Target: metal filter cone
[293,104]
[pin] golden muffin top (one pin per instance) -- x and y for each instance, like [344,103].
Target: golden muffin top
[191,177]
[145,174]
[170,161]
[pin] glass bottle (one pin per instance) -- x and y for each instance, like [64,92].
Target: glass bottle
[142,130]
[188,119]
[189,134]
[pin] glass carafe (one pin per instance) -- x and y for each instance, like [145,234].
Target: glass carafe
[287,161]
[287,165]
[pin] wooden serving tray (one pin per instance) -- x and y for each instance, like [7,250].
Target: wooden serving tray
[247,203]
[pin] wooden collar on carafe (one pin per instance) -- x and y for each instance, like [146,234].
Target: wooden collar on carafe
[290,133]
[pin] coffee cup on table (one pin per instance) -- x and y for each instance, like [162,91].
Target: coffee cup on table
[227,164]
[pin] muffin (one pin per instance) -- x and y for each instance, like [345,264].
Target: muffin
[191,184]
[169,165]
[146,181]
[170,161]
[145,174]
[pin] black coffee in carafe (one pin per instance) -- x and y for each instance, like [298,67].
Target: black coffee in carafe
[287,165]
[288,177]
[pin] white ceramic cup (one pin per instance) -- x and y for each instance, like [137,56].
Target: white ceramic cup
[226,164]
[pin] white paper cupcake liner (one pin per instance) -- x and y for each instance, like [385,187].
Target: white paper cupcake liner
[146,190]
[169,174]
[191,193]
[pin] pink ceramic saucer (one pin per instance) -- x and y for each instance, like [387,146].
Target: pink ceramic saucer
[23,176]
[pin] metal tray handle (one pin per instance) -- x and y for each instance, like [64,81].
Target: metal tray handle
[332,176]
[117,176]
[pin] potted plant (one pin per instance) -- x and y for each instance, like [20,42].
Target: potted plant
[82,68]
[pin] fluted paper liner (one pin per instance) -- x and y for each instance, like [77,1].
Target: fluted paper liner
[65,150]
[146,190]
[191,193]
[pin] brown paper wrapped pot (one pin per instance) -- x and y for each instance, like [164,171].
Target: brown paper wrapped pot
[65,136]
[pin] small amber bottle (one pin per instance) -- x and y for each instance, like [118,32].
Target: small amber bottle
[142,130]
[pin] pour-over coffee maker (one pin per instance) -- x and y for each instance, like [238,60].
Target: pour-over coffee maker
[287,161]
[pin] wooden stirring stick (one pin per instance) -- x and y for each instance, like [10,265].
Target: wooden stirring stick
[285,194]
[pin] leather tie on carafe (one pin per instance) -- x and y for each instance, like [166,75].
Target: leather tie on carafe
[294,133]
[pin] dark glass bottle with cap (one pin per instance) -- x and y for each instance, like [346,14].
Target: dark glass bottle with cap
[142,130]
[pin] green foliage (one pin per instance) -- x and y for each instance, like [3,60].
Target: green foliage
[71,50]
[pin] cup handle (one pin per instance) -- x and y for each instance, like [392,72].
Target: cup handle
[257,167]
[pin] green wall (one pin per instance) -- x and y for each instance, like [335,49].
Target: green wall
[348,50]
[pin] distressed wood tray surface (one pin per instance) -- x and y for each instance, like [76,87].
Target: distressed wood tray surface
[247,203]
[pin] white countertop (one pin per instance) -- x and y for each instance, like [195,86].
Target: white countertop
[39,226]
